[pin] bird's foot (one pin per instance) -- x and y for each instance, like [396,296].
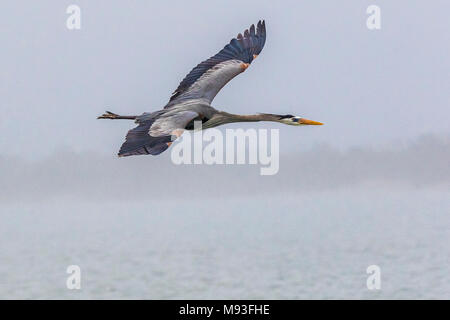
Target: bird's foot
[108,115]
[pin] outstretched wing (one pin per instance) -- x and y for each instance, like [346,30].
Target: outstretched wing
[208,77]
[155,132]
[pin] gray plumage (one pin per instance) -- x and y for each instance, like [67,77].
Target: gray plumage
[191,100]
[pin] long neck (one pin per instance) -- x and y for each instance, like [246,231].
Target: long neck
[225,117]
[230,117]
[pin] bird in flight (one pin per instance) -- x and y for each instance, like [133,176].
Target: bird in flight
[191,101]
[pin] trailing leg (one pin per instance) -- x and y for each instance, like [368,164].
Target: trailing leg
[112,116]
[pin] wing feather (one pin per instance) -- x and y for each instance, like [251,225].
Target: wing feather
[155,132]
[208,77]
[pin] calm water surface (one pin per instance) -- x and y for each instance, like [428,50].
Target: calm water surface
[312,245]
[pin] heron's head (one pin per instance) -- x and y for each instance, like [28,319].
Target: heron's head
[297,121]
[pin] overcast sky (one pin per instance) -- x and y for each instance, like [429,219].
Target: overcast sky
[320,62]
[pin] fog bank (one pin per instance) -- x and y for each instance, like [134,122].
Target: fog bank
[421,163]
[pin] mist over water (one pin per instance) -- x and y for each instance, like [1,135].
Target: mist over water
[96,176]
[145,228]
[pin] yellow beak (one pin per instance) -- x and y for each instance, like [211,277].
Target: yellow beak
[310,122]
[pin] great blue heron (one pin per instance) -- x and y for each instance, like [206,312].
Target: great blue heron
[191,101]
